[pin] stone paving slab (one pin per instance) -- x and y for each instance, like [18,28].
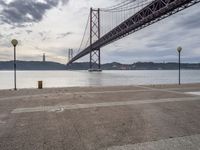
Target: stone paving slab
[180,143]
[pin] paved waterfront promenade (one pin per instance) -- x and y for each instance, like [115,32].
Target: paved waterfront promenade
[161,117]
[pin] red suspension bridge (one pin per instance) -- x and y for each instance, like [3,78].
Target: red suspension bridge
[107,25]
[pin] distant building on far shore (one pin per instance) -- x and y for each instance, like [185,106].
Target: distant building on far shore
[44,58]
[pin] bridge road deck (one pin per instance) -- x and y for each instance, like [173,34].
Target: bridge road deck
[154,117]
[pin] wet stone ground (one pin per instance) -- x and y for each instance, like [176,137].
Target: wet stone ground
[154,117]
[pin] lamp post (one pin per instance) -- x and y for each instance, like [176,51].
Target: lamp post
[14,43]
[179,49]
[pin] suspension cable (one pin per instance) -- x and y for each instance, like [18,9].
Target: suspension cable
[84,33]
[129,7]
[117,5]
[86,45]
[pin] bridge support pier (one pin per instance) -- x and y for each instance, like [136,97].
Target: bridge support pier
[95,60]
[95,54]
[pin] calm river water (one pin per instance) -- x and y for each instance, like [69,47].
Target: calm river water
[28,79]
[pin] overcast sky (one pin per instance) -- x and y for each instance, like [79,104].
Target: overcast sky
[54,26]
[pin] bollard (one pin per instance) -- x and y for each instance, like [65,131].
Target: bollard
[40,86]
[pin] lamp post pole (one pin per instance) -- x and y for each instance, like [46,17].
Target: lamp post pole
[179,49]
[14,43]
[15,68]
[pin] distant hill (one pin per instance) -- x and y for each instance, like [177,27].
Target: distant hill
[136,66]
[32,65]
[38,65]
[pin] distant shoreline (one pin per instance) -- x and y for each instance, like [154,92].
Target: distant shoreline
[106,70]
[50,66]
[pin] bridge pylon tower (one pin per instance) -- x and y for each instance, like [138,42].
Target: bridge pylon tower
[95,54]
[70,54]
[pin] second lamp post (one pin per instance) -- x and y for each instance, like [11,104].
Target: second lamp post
[14,43]
[179,49]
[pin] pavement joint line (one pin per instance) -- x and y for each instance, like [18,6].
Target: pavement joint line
[178,143]
[163,90]
[147,89]
[60,108]
[193,93]
[185,88]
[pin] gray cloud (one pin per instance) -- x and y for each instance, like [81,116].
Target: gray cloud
[41,34]
[20,12]
[64,2]
[5,44]
[62,35]
[44,35]
[190,21]
[29,31]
